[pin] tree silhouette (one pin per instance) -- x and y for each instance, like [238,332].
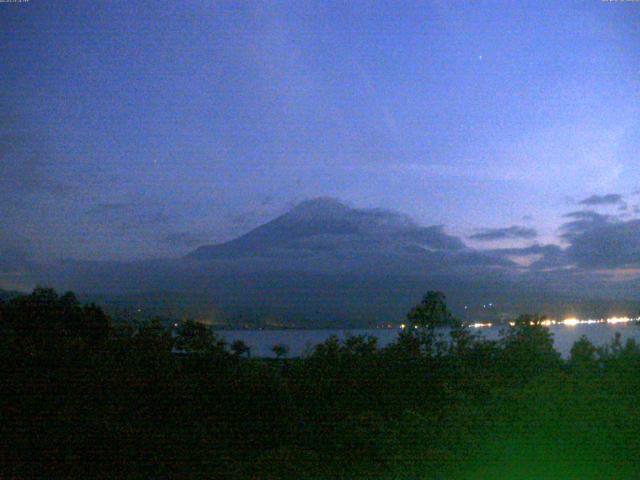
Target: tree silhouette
[361,345]
[281,350]
[47,322]
[239,348]
[583,353]
[196,337]
[328,350]
[335,413]
[431,312]
[153,337]
[528,347]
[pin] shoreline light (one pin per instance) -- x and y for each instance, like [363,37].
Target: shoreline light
[619,320]
[570,321]
[481,325]
[612,320]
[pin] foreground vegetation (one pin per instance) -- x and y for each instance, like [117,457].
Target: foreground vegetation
[83,398]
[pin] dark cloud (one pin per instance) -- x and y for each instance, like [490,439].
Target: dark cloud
[602,241]
[552,257]
[609,199]
[582,220]
[595,241]
[612,244]
[513,232]
[329,215]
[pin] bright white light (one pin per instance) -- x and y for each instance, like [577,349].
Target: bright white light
[480,325]
[571,321]
[618,320]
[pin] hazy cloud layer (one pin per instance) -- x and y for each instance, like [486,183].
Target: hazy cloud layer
[542,257]
[513,232]
[126,217]
[609,199]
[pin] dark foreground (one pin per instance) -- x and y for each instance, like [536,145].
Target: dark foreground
[84,399]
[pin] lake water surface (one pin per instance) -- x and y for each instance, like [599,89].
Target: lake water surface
[301,342]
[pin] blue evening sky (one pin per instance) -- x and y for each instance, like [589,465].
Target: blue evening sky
[134,129]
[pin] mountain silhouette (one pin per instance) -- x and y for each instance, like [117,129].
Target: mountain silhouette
[323,263]
[329,226]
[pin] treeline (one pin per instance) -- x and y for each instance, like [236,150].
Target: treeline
[84,398]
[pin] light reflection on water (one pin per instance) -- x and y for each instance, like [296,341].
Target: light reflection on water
[301,342]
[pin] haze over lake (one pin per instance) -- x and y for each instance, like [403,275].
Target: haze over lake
[301,342]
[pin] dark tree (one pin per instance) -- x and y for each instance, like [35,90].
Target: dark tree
[196,337]
[431,312]
[44,321]
[280,350]
[583,353]
[361,345]
[153,337]
[240,348]
[528,347]
[328,350]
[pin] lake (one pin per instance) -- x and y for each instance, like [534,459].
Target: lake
[301,342]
